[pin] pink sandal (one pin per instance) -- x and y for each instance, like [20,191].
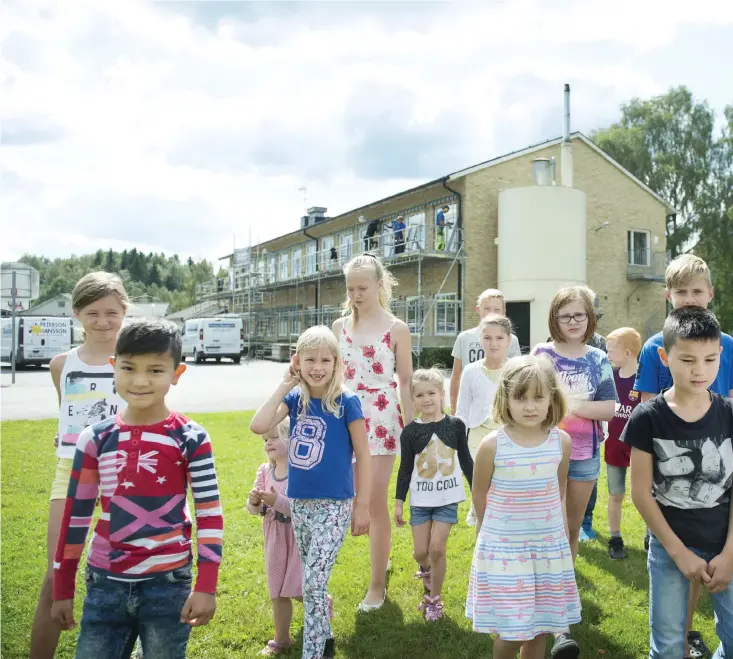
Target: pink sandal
[424,574]
[433,607]
[273,648]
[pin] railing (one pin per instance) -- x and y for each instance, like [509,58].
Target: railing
[646,265]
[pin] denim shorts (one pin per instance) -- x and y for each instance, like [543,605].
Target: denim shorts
[420,515]
[616,477]
[117,612]
[585,470]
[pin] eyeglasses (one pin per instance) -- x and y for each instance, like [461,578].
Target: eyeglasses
[566,318]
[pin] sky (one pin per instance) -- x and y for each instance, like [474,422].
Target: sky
[187,127]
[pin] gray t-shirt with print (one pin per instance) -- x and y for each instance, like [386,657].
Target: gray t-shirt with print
[468,347]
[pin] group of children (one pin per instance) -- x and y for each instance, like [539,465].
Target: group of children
[526,434]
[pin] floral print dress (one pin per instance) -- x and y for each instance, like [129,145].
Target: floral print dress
[369,370]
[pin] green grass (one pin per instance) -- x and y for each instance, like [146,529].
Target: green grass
[614,594]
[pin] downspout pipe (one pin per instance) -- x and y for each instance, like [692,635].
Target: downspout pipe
[318,287]
[459,223]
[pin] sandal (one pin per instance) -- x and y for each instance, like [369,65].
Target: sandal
[433,607]
[273,648]
[424,574]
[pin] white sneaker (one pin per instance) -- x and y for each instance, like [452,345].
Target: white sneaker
[471,517]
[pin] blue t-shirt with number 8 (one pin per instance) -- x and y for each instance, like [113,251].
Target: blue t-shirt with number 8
[320,450]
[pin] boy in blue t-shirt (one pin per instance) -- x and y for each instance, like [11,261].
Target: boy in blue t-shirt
[688,284]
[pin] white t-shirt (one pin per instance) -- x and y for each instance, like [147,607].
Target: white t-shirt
[437,479]
[468,347]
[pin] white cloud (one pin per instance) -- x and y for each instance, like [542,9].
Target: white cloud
[173,126]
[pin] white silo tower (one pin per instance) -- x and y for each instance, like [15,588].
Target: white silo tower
[542,238]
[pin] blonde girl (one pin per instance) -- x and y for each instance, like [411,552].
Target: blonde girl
[83,379]
[326,428]
[522,583]
[269,499]
[375,346]
[479,382]
[434,453]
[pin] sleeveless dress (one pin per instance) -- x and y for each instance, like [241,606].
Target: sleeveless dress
[369,370]
[522,580]
[282,560]
[88,396]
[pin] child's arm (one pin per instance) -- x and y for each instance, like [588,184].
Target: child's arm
[404,475]
[254,501]
[273,410]
[403,359]
[360,514]
[647,373]
[455,381]
[78,512]
[56,366]
[690,564]
[562,475]
[603,405]
[201,603]
[465,397]
[464,454]
[483,470]
[720,568]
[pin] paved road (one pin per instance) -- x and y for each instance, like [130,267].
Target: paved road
[206,387]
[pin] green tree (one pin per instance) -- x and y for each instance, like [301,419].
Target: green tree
[668,143]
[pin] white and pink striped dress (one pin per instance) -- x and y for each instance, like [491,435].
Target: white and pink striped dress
[522,578]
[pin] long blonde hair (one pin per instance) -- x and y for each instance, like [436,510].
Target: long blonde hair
[314,338]
[385,279]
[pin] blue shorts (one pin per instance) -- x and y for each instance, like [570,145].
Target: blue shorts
[447,514]
[585,470]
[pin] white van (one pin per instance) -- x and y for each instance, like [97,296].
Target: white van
[37,339]
[213,338]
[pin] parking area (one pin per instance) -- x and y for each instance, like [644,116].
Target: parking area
[208,387]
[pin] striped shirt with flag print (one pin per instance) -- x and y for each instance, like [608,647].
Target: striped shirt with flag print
[144,530]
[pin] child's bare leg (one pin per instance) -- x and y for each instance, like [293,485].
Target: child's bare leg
[282,612]
[438,541]
[45,632]
[421,543]
[506,649]
[534,649]
[615,503]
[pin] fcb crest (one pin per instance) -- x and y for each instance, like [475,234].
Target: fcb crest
[633,395]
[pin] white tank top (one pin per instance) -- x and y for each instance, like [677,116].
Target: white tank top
[88,396]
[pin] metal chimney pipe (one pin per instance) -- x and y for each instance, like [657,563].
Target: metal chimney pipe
[566,148]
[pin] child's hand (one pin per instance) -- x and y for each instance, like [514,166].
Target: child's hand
[268,498]
[398,520]
[198,609]
[292,376]
[693,567]
[254,498]
[720,570]
[62,612]
[360,519]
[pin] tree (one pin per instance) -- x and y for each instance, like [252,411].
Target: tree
[109,261]
[154,275]
[667,142]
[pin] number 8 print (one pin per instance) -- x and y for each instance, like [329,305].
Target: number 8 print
[306,443]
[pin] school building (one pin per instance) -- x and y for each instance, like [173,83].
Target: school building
[510,223]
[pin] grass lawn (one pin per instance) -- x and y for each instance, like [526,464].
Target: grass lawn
[614,594]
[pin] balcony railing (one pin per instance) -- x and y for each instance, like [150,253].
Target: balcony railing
[645,265]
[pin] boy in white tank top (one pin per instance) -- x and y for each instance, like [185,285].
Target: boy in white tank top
[84,382]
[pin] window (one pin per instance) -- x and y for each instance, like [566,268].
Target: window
[62,304]
[310,259]
[415,232]
[270,268]
[296,262]
[295,325]
[282,325]
[639,248]
[446,313]
[413,314]
[346,246]
[283,260]
[327,260]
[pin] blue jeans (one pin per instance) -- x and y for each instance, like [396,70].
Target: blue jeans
[668,593]
[117,612]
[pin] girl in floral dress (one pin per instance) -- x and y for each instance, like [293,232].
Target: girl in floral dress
[375,346]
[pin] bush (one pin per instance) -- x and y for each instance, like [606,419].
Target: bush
[430,357]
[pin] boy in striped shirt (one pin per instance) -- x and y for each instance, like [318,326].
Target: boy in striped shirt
[141,462]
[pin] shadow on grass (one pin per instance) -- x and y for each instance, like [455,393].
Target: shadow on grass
[632,571]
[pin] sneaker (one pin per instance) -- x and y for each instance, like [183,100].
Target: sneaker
[646,542]
[329,650]
[616,549]
[586,532]
[564,647]
[698,649]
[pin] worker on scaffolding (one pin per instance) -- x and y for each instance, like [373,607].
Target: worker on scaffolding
[370,239]
[398,228]
[440,224]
